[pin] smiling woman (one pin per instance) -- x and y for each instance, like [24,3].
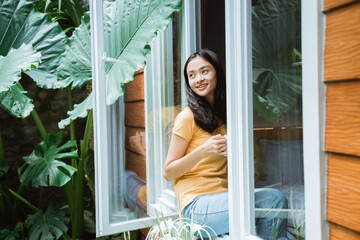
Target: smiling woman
[197,157]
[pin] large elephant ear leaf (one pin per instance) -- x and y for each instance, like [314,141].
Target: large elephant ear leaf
[15,102]
[22,59]
[128,28]
[21,23]
[75,63]
[79,111]
[49,225]
[44,167]
[276,33]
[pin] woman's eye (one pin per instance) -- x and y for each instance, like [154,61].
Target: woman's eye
[191,75]
[205,71]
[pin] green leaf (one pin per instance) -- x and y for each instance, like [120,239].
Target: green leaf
[4,168]
[265,109]
[43,168]
[79,111]
[7,234]
[15,102]
[48,225]
[128,28]
[75,64]
[276,33]
[21,23]
[22,59]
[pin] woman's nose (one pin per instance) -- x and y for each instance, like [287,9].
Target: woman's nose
[199,77]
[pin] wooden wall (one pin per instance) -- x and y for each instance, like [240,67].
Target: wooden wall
[342,129]
[135,125]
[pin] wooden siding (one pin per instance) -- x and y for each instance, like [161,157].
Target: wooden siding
[330,4]
[342,129]
[340,233]
[135,90]
[343,117]
[343,198]
[135,114]
[135,123]
[136,163]
[342,51]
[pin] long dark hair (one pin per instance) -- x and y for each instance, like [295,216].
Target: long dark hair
[207,117]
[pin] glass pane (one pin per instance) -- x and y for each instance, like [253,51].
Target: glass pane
[166,102]
[277,119]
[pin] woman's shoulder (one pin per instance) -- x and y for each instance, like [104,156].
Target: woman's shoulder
[186,113]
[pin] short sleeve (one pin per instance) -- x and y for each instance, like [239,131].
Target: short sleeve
[184,124]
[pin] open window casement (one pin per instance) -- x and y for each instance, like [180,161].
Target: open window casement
[165,97]
[163,100]
[283,153]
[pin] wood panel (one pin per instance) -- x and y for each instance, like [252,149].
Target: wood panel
[342,131]
[135,114]
[136,163]
[330,4]
[339,233]
[342,51]
[134,91]
[343,191]
[136,143]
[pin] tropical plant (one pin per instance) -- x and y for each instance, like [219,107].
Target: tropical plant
[53,62]
[276,50]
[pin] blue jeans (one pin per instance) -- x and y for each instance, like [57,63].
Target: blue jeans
[212,210]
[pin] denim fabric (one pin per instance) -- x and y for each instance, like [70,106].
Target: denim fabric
[212,210]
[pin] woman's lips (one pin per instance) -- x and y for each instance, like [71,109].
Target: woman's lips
[201,87]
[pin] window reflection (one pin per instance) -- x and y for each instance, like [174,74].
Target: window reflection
[277,103]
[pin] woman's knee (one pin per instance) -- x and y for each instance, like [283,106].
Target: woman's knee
[270,198]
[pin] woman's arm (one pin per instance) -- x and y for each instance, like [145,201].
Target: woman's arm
[177,163]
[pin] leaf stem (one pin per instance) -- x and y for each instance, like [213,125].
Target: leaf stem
[36,117]
[26,202]
[2,157]
[72,125]
[85,142]
[77,219]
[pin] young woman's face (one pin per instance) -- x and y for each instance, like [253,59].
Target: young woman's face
[202,78]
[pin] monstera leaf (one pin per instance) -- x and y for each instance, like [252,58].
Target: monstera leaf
[48,225]
[276,33]
[43,168]
[129,26]
[20,23]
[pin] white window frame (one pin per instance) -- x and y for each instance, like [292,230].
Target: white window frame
[238,58]
[103,119]
[239,125]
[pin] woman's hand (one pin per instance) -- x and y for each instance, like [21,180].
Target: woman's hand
[214,146]
[177,163]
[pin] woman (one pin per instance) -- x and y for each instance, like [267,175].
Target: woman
[197,159]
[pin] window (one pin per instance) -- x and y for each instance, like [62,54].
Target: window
[249,132]
[285,145]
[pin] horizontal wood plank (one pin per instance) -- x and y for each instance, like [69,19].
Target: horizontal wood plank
[135,139]
[136,163]
[330,4]
[135,114]
[342,41]
[339,233]
[134,91]
[343,191]
[342,131]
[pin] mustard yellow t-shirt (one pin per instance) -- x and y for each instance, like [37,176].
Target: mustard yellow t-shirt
[209,176]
